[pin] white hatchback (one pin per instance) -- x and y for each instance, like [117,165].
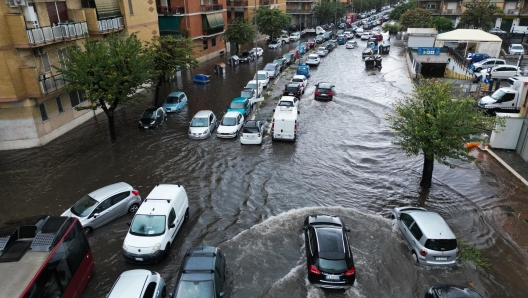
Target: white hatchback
[230,125]
[252,133]
[313,59]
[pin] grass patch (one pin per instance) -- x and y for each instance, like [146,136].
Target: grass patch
[262,103]
[277,97]
[266,95]
[472,254]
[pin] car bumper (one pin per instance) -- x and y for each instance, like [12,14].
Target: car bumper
[251,141]
[323,98]
[172,110]
[144,258]
[312,63]
[198,137]
[437,263]
[145,126]
[321,283]
[226,135]
[283,137]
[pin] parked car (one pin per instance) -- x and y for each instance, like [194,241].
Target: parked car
[273,70]
[484,64]
[156,224]
[300,79]
[257,51]
[327,35]
[295,36]
[275,44]
[304,70]
[230,125]
[322,51]
[313,59]
[348,34]
[431,240]
[290,58]
[319,39]
[306,46]
[516,49]
[138,283]
[359,32]
[295,53]
[288,102]
[329,259]
[302,50]
[477,57]
[293,89]
[497,31]
[246,57]
[253,85]
[174,102]
[281,62]
[152,117]
[104,205]
[241,105]
[351,44]
[324,91]
[451,291]
[252,133]
[263,78]
[311,42]
[341,39]
[501,72]
[366,35]
[284,38]
[202,125]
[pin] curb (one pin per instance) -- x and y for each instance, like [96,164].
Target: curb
[487,149]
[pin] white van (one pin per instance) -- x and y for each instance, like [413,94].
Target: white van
[284,124]
[156,224]
[319,30]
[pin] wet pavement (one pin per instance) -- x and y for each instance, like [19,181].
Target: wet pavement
[251,200]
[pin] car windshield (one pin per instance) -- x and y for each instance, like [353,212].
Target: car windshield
[250,130]
[291,88]
[246,93]
[277,61]
[441,244]
[287,56]
[331,265]
[273,41]
[237,105]
[229,121]
[196,289]
[312,57]
[285,103]
[269,67]
[299,80]
[321,49]
[261,76]
[148,225]
[199,122]
[245,54]
[148,115]
[171,99]
[497,95]
[252,85]
[517,48]
[84,206]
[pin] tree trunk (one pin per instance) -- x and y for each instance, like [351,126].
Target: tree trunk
[111,125]
[427,173]
[236,45]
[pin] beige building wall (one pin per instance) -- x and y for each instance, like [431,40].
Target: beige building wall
[142,19]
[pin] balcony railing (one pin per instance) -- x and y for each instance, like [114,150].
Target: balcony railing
[237,3]
[211,7]
[58,33]
[524,12]
[169,10]
[264,2]
[434,11]
[209,31]
[112,24]
[306,1]
[511,12]
[298,11]
[451,11]
[48,85]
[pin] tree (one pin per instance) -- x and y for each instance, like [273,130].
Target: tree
[327,12]
[109,71]
[430,123]
[270,21]
[416,18]
[479,14]
[391,28]
[442,24]
[170,54]
[240,31]
[397,11]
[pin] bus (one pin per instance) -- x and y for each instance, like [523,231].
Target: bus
[45,256]
[350,18]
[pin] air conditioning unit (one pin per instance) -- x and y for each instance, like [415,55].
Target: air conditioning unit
[22,2]
[13,3]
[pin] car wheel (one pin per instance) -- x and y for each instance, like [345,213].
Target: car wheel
[415,257]
[87,230]
[133,208]
[166,251]
[186,216]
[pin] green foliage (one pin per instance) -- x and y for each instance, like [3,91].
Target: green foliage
[472,254]
[391,28]
[327,12]
[479,14]
[431,123]
[270,21]
[416,18]
[397,11]
[240,31]
[442,24]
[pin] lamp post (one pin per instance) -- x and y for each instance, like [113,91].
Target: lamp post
[335,16]
[256,51]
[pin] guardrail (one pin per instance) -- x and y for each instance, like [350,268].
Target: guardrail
[298,11]
[451,11]
[56,33]
[110,24]
[48,85]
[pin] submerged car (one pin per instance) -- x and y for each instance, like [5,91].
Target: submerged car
[241,105]
[152,117]
[288,102]
[293,89]
[104,205]
[174,102]
[451,291]
[324,91]
[202,125]
[328,257]
[138,283]
[351,44]
[252,133]
[273,70]
[303,70]
[246,57]
[313,59]
[263,78]
[275,44]
[230,125]
[322,51]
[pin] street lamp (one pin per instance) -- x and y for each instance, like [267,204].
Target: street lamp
[256,51]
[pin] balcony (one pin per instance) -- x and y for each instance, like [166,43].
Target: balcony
[211,31]
[524,12]
[433,11]
[48,85]
[296,1]
[169,10]
[237,3]
[64,32]
[298,11]
[110,25]
[511,12]
[451,11]
[211,7]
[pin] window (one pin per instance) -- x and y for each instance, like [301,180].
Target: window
[416,232]
[441,244]
[508,97]
[59,104]
[119,197]
[149,292]
[218,274]
[57,12]
[77,97]
[62,57]
[130,7]
[205,44]
[407,219]
[43,112]
[172,217]
[103,206]
[213,42]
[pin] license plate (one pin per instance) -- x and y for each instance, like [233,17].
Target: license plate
[291,93]
[441,258]
[323,94]
[334,277]
[250,137]
[146,127]
[139,259]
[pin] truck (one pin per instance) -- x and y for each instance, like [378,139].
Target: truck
[506,99]
[519,29]
[350,18]
[284,124]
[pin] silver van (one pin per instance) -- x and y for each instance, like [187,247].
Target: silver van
[431,240]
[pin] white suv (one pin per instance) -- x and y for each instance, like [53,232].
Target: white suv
[156,224]
[516,49]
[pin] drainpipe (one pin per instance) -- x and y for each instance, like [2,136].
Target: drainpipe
[186,15]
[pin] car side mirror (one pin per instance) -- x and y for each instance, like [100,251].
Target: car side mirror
[172,225]
[221,294]
[298,112]
[347,230]
[305,228]
[128,223]
[95,215]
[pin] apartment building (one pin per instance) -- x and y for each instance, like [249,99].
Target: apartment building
[301,12]
[244,8]
[515,12]
[34,36]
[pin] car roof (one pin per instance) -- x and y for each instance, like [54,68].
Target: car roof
[176,93]
[199,259]
[455,291]
[271,64]
[240,99]
[251,123]
[105,192]
[313,55]
[330,242]
[287,97]
[130,283]
[203,113]
[433,226]
[151,109]
[232,114]
[294,84]
[300,76]
[324,85]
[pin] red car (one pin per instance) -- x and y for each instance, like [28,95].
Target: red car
[295,53]
[377,36]
[311,42]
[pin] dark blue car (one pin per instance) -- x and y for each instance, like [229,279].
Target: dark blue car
[341,40]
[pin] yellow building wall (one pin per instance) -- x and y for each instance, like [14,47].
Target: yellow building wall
[143,20]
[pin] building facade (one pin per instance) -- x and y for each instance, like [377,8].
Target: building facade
[244,8]
[34,37]
[301,12]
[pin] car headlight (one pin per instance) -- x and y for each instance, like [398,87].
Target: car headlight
[125,245]
[156,247]
[205,131]
[140,123]
[152,122]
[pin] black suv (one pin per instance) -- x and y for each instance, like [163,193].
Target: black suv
[324,91]
[246,57]
[280,61]
[202,273]
[329,259]
[293,89]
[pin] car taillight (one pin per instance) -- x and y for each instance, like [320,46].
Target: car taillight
[272,126]
[135,192]
[423,252]
[258,135]
[314,270]
[457,253]
[330,94]
[295,128]
[317,93]
[350,272]
[241,134]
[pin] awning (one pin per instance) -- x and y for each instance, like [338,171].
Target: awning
[475,35]
[107,8]
[169,24]
[215,20]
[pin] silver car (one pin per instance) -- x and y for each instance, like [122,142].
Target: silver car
[202,125]
[104,205]
[431,240]
[138,283]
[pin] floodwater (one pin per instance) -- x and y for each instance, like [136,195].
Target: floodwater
[251,200]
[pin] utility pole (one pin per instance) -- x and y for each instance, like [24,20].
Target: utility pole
[256,50]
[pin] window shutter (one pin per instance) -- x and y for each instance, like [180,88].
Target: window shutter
[45,62]
[52,12]
[62,11]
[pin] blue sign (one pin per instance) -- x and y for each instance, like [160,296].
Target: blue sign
[428,51]
[487,80]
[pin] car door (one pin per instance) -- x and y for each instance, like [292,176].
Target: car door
[416,234]
[102,214]
[240,122]
[159,116]
[405,223]
[120,203]
[171,219]
[219,273]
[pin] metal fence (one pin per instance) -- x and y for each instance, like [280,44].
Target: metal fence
[48,85]
[56,33]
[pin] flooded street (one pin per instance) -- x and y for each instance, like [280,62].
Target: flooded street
[251,200]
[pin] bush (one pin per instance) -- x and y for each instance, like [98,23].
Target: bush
[391,28]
